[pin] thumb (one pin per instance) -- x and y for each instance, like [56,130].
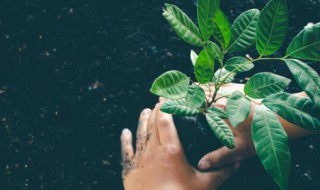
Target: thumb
[218,177]
[218,158]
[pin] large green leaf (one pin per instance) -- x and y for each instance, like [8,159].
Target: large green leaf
[238,108]
[207,9]
[236,62]
[307,78]
[204,65]
[243,31]
[221,130]
[221,74]
[221,29]
[218,112]
[178,107]
[171,85]
[215,51]
[193,57]
[195,97]
[271,143]
[295,109]
[272,27]
[306,45]
[183,25]
[264,84]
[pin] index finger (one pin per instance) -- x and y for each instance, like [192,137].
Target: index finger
[166,128]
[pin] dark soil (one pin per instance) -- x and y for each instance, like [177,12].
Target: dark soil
[74,73]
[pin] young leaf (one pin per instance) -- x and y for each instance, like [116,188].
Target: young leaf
[224,73]
[272,27]
[178,107]
[298,110]
[183,25]
[221,130]
[307,78]
[204,65]
[193,57]
[171,85]
[306,45]
[207,10]
[271,143]
[195,97]
[243,31]
[218,112]
[215,51]
[264,84]
[235,62]
[238,108]
[221,29]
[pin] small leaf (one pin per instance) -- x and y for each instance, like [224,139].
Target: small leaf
[221,130]
[272,27]
[178,107]
[221,29]
[306,45]
[204,65]
[215,51]
[218,112]
[236,62]
[298,110]
[224,73]
[183,25]
[207,10]
[271,143]
[193,57]
[307,78]
[264,84]
[195,97]
[238,108]
[243,31]
[171,85]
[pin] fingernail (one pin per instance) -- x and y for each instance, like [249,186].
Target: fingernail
[157,105]
[125,131]
[204,165]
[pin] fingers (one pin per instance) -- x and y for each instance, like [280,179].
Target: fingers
[142,131]
[217,158]
[126,151]
[153,136]
[218,177]
[166,128]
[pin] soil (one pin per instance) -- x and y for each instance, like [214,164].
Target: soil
[75,73]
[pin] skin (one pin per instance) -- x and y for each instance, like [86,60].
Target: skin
[159,163]
[244,144]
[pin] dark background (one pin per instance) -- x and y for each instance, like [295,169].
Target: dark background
[74,73]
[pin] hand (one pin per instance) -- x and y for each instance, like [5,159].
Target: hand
[159,162]
[244,144]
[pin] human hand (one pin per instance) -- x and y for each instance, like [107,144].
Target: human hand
[159,162]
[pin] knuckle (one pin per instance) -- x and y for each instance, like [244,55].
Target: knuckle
[170,151]
[163,122]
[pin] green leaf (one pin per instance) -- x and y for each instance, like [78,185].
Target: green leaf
[183,25]
[171,85]
[271,143]
[207,9]
[204,65]
[307,78]
[236,62]
[306,45]
[178,107]
[264,84]
[221,130]
[223,75]
[215,51]
[193,57]
[272,27]
[195,97]
[221,29]
[218,112]
[238,108]
[243,31]
[298,110]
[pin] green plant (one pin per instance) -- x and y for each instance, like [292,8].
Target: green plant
[267,30]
